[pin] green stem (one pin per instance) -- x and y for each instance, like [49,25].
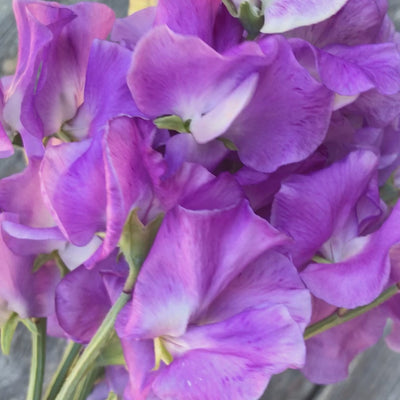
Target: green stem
[85,387]
[342,315]
[38,360]
[93,349]
[70,354]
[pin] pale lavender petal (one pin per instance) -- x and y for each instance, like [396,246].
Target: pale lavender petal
[129,30]
[184,148]
[283,15]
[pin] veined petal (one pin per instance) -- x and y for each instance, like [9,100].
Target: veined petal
[180,75]
[194,257]
[313,208]
[283,15]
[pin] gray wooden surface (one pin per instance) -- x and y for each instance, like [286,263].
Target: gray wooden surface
[375,374]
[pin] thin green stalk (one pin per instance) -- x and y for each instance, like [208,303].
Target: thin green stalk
[38,360]
[342,315]
[85,387]
[93,349]
[70,354]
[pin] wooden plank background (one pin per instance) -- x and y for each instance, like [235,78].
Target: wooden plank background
[375,375]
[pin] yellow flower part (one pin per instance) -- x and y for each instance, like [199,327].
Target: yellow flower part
[136,5]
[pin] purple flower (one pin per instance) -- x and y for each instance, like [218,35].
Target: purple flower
[54,45]
[224,311]
[334,214]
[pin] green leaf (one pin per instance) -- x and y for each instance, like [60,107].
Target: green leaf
[7,333]
[173,123]
[42,259]
[112,354]
[228,144]
[251,18]
[137,239]
[112,396]
[30,325]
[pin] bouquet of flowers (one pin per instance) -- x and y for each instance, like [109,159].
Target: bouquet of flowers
[209,195]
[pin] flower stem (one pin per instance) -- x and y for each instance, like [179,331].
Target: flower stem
[71,352]
[38,360]
[341,315]
[93,349]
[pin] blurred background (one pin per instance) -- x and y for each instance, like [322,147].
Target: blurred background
[375,375]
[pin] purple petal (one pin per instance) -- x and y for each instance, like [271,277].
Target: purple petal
[330,353]
[313,208]
[288,116]
[271,279]
[20,194]
[49,34]
[283,15]
[344,28]
[188,17]
[181,75]
[129,30]
[364,271]
[82,302]
[184,148]
[27,293]
[66,167]
[106,73]
[189,280]
[233,359]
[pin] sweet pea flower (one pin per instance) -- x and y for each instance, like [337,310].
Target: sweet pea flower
[54,45]
[336,215]
[215,311]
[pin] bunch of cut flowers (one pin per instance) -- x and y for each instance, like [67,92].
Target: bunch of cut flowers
[209,196]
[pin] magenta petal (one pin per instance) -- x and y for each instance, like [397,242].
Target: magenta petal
[234,237]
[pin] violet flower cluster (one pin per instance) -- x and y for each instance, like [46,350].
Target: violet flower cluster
[231,167]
